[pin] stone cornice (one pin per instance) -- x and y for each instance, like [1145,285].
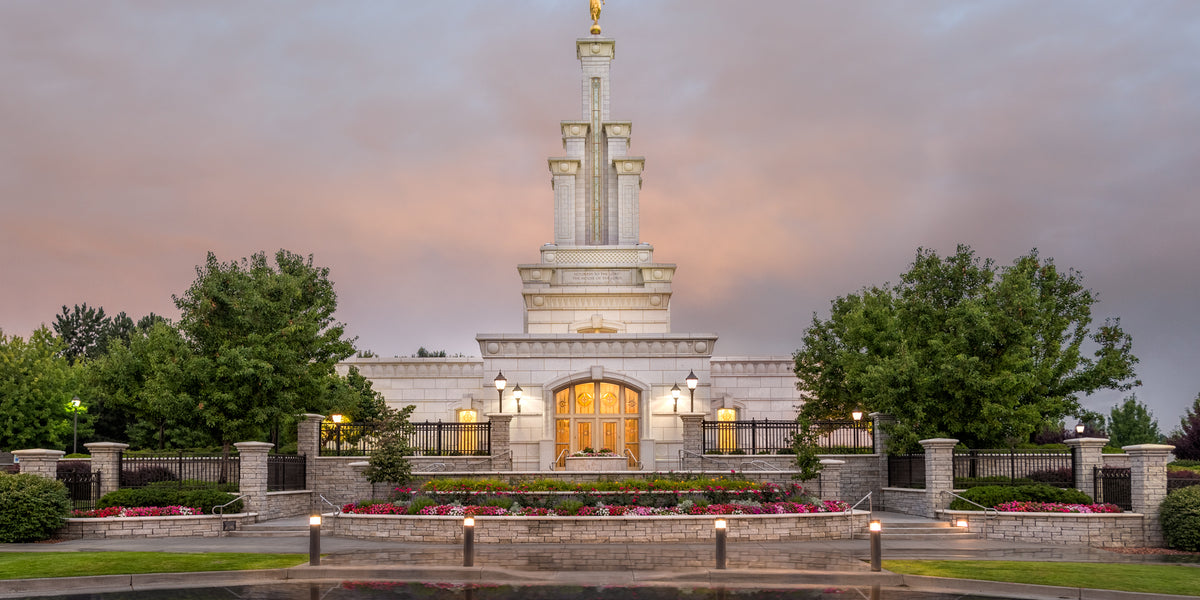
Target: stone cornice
[618,129]
[560,299]
[597,344]
[564,165]
[629,165]
[575,129]
[595,47]
[408,368]
[747,365]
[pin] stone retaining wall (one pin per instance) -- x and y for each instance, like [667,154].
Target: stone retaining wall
[904,500]
[1098,530]
[151,527]
[287,504]
[598,530]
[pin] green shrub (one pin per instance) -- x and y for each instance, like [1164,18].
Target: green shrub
[568,507]
[147,475]
[420,502]
[1179,515]
[992,495]
[32,508]
[204,499]
[500,501]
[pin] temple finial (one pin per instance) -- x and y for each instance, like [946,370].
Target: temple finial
[596,6]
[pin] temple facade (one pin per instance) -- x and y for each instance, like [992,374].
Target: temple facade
[597,364]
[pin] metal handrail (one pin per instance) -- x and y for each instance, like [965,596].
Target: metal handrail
[441,466]
[702,458]
[987,512]
[560,457]
[760,463]
[635,459]
[870,510]
[337,510]
[221,512]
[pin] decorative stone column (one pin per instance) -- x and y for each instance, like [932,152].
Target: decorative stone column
[501,440]
[308,444]
[1148,474]
[252,481]
[106,460]
[693,433]
[1088,455]
[40,462]
[939,474]
[880,439]
[831,479]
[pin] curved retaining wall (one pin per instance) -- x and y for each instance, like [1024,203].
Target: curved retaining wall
[1099,530]
[598,530]
[151,527]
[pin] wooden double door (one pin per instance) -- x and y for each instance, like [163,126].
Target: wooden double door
[598,415]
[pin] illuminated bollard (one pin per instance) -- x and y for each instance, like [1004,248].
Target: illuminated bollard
[469,542]
[314,540]
[721,530]
[876,529]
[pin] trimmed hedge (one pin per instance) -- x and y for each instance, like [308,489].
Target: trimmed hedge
[1179,515]
[993,495]
[204,500]
[32,508]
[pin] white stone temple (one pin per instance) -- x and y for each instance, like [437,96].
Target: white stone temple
[597,360]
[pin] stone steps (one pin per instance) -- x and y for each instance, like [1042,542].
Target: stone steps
[928,531]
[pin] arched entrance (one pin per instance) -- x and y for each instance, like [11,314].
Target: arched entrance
[597,415]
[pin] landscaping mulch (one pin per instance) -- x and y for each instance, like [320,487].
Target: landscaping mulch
[1151,551]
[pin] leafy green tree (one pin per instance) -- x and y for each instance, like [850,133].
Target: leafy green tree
[1186,439]
[389,463]
[263,340]
[82,330]
[961,348]
[423,353]
[1131,423]
[36,387]
[354,397]
[804,445]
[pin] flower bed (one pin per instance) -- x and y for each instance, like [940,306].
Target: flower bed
[1098,529]
[1057,507]
[196,525]
[605,510]
[136,511]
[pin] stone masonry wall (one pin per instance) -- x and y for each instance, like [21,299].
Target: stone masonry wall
[903,500]
[598,530]
[1096,530]
[150,527]
[287,504]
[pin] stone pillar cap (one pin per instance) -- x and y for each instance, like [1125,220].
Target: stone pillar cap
[939,442]
[38,452]
[832,461]
[1149,448]
[504,415]
[1086,441]
[254,445]
[308,416]
[105,445]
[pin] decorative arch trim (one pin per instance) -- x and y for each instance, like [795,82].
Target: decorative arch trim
[558,383]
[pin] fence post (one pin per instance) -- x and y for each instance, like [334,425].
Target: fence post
[831,478]
[1148,482]
[40,462]
[939,473]
[106,460]
[252,480]
[693,433]
[1088,455]
[501,439]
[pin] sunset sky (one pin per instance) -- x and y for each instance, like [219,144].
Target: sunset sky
[795,152]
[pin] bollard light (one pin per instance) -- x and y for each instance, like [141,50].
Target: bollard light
[469,541]
[314,541]
[720,525]
[876,529]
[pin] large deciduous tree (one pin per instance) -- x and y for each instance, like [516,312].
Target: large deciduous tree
[264,341]
[36,387]
[965,349]
[1131,423]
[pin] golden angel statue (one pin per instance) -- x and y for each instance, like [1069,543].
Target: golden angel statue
[597,5]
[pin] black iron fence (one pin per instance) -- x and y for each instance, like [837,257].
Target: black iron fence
[286,472]
[1180,479]
[185,470]
[775,437]
[427,439]
[1014,467]
[82,487]
[1113,485]
[906,470]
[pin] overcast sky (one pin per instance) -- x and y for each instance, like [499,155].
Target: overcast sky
[795,152]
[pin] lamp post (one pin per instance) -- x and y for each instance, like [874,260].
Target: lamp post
[75,428]
[517,396]
[314,540]
[675,394]
[692,381]
[857,415]
[720,525]
[876,529]
[500,382]
[1079,430]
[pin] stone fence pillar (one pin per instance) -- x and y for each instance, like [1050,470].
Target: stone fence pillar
[831,479]
[501,440]
[40,462]
[880,438]
[693,433]
[308,444]
[106,460]
[1088,455]
[252,480]
[1148,474]
[939,474]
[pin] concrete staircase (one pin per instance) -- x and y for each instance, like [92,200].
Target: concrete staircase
[286,527]
[898,526]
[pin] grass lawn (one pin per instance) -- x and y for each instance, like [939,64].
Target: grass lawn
[1150,579]
[29,565]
